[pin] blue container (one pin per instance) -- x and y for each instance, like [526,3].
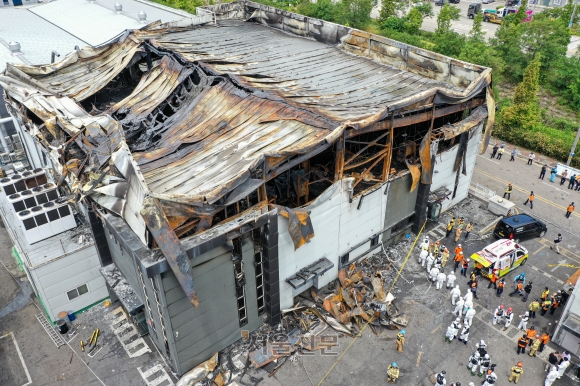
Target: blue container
[71,316]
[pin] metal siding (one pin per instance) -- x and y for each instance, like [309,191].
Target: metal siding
[400,202]
[124,261]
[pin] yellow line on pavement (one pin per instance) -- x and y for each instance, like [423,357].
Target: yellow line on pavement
[539,249]
[562,208]
[563,251]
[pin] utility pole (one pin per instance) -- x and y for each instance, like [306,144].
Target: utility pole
[573,148]
[572,20]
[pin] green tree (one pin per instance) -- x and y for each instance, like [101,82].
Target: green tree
[413,21]
[426,9]
[564,80]
[447,14]
[322,9]
[524,113]
[521,14]
[355,13]
[388,9]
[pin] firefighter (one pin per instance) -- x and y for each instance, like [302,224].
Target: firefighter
[444,256]
[546,306]
[535,346]
[545,294]
[545,338]
[555,304]
[500,287]
[431,248]
[517,371]
[522,344]
[400,342]
[534,306]
[458,231]
[392,372]
[508,191]
[436,248]
[450,227]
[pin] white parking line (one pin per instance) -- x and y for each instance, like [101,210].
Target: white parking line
[21,358]
[163,376]
[563,191]
[127,333]
[495,162]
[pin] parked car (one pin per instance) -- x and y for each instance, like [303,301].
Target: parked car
[454,1]
[488,1]
[441,2]
[473,9]
[519,227]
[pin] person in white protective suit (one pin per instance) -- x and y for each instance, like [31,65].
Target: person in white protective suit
[425,244]
[468,295]
[440,379]
[423,257]
[490,377]
[473,362]
[467,305]
[450,280]
[430,261]
[469,316]
[563,366]
[433,274]
[440,279]
[464,335]
[484,364]
[458,311]
[481,347]
[455,294]
[552,376]
[452,330]
[498,314]
[509,316]
[524,321]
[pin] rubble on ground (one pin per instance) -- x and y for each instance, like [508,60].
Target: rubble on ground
[361,296]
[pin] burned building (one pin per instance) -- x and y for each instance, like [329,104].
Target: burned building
[233,160]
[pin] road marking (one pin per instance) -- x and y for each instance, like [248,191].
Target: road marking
[559,262]
[436,328]
[163,376]
[419,358]
[539,249]
[489,159]
[545,183]
[21,358]
[526,191]
[562,250]
[127,333]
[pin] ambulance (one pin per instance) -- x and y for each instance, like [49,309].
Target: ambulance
[500,257]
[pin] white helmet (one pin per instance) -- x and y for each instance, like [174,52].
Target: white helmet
[459,245]
[486,356]
[457,286]
[458,319]
[527,313]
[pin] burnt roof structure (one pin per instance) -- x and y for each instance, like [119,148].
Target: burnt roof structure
[172,124]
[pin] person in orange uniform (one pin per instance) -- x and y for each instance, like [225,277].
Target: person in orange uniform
[493,280]
[531,333]
[530,200]
[570,210]
[458,259]
[545,338]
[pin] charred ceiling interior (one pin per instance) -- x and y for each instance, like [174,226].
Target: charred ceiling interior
[177,129]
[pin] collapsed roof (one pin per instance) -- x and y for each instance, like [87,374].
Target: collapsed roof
[195,117]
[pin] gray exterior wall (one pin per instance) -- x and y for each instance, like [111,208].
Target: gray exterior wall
[400,202]
[196,333]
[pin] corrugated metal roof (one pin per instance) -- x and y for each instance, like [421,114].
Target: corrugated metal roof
[305,72]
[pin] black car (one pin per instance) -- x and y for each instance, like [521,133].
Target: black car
[441,2]
[454,1]
[519,227]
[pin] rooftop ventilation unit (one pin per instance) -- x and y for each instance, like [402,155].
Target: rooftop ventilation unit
[118,8]
[14,47]
[20,182]
[42,222]
[142,17]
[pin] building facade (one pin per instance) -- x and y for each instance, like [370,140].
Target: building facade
[234,160]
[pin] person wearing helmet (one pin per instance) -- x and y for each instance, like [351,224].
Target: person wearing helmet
[498,314]
[531,333]
[473,362]
[437,262]
[464,334]
[423,257]
[433,274]
[535,345]
[481,348]
[444,255]
[450,226]
[437,248]
[400,341]
[521,277]
[500,287]
[392,372]
[440,379]
[484,364]
[490,377]
[516,372]
[432,249]
[509,316]
[450,280]
[425,243]
[524,321]
[458,249]
[452,330]
[522,344]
